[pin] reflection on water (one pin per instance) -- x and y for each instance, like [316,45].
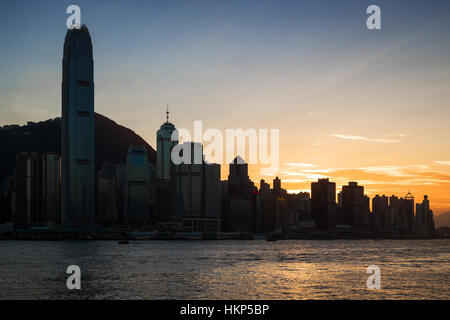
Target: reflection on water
[410,269]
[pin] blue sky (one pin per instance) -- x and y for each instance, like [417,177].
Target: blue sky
[161,52]
[310,68]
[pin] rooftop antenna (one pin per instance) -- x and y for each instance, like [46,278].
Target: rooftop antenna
[167,114]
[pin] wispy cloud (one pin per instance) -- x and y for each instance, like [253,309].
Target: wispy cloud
[395,171]
[300,164]
[361,138]
[443,163]
[305,176]
[420,166]
[402,135]
[313,114]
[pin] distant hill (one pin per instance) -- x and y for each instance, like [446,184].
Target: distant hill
[442,220]
[111,141]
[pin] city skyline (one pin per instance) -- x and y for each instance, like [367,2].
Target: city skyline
[225,150]
[337,112]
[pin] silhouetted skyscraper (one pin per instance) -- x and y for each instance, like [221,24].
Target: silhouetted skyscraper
[164,167]
[196,192]
[299,206]
[211,191]
[380,211]
[188,185]
[38,183]
[78,134]
[137,190]
[424,217]
[106,209]
[274,207]
[240,204]
[164,146]
[323,204]
[239,183]
[277,186]
[402,213]
[51,187]
[408,205]
[355,209]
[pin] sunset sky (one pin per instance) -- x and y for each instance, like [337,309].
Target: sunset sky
[351,104]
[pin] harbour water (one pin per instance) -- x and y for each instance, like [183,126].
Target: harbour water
[288,269]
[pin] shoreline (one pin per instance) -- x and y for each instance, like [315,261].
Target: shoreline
[121,236]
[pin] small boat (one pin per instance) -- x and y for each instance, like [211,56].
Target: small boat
[271,238]
[124,241]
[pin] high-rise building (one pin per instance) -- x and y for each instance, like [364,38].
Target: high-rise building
[212,192]
[401,214]
[187,180]
[51,187]
[277,186]
[274,207]
[323,204]
[264,187]
[106,211]
[106,202]
[78,134]
[137,189]
[120,177]
[380,212]
[299,206]
[408,205]
[164,146]
[37,190]
[424,217]
[196,192]
[240,204]
[355,209]
[395,214]
[28,188]
[239,183]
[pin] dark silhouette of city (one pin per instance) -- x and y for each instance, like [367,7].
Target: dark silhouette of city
[82,175]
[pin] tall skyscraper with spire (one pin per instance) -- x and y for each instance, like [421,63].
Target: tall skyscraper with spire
[78,131]
[164,145]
